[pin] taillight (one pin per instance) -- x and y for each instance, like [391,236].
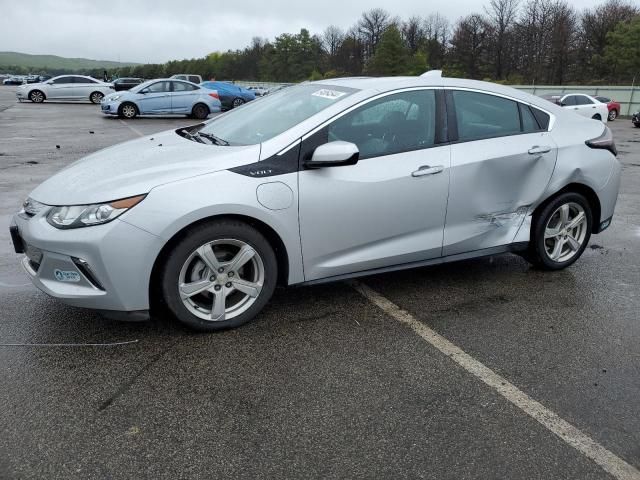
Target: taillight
[214,95]
[604,141]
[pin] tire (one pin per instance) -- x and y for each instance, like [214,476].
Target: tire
[613,114]
[200,269]
[200,111]
[237,102]
[548,229]
[96,97]
[597,117]
[36,96]
[128,110]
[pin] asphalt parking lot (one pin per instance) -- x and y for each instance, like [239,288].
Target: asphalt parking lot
[325,383]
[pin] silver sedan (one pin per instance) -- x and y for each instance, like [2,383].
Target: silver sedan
[318,182]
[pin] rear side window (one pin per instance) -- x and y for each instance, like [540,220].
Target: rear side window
[83,80]
[529,122]
[60,80]
[542,118]
[582,100]
[183,87]
[480,115]
[194,79]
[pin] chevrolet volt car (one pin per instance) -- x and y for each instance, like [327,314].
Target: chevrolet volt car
[163,97]
[318,182]
[65,87]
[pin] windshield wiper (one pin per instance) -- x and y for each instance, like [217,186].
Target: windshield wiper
[213,138]
[191,136]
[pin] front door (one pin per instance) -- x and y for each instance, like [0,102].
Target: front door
[156,99]
[387,209]
[500,165]
[62,88]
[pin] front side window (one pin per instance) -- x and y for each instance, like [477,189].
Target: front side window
[569,101]
[159,87]
[480,115]
[393,124]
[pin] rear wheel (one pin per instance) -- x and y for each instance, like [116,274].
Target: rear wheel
[613,114]
[219,276]
[128,110]
[237,102]
[560,232]
[36,96]
[200,111]
[96,97]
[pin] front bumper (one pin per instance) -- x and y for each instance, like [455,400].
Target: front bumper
[105,267]
[109,107]
[21,95]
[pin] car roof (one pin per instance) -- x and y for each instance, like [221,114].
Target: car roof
[430,79]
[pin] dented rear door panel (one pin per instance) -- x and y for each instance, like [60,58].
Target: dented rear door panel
[494,183]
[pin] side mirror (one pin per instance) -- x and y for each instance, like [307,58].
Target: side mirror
[334,154]
[144,91]
[49,83]
[562,104]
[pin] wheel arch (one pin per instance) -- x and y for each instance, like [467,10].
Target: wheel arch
[270,234]
[585,191]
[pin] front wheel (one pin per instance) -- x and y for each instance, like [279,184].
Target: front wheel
[560,232]
[36,96]
[613,115]
[220,275]
[128,110]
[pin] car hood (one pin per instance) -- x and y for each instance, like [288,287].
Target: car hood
[135,167]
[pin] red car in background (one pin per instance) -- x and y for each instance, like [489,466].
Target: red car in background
[612,105]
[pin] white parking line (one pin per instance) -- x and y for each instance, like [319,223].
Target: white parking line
[550,420]
[133,129]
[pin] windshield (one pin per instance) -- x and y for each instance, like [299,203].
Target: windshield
[269,116]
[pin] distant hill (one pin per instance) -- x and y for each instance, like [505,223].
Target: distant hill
[25,60]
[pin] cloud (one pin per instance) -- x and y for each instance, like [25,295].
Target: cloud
[150,31]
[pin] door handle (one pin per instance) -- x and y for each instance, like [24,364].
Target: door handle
[427,170]
[537,150]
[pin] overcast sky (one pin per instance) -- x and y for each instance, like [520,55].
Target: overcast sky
[153,31]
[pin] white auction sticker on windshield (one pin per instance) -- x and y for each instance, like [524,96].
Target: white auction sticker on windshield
[330,94]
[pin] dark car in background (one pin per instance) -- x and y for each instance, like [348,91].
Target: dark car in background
[635,119]
[612,106]
[231,95]
[126,83]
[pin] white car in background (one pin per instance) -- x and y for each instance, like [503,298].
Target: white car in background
[65,87]
[582,104]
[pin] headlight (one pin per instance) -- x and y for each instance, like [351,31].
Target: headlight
[116,97]
[76,216]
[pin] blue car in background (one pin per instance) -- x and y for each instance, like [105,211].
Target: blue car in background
[231,95]
[161,97]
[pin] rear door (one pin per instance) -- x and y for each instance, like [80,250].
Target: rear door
[183,96]
[156,99]
[84,87]
[502,158]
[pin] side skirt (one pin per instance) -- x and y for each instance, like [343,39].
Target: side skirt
[511,248]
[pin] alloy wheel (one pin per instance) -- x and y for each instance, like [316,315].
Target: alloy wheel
[36,97]
[237,102]
[96,97]
[221,279]
[612,115]
[565,232]
[129,111]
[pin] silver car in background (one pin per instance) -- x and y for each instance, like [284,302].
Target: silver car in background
[318,182]
[65,87]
